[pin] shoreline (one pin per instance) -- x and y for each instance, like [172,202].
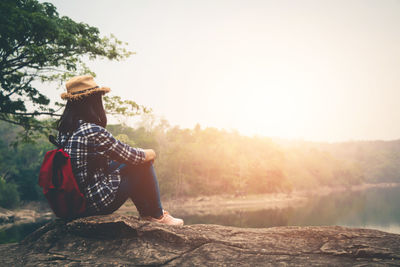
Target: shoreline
[225,204]
[32,212]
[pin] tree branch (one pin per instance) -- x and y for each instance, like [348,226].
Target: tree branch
[23,124]
[19,87]
[34,113]
[11,121]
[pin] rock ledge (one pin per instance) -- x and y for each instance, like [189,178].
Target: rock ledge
[117,240]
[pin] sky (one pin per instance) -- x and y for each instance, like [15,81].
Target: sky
[306,70]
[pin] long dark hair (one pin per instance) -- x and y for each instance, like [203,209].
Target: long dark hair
[88,108]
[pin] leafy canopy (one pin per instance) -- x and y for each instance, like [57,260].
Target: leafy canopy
[36,44]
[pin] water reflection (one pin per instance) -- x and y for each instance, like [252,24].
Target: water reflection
[375,208]
[372,208]
[18,232]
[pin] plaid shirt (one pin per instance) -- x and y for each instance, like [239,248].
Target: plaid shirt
[92,145]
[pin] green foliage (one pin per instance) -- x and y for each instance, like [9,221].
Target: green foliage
[125,108]
[124,138]
[28,159]
[138,137]
[36,44]
[208,161]
[20,165]
[9,196]
[379,160]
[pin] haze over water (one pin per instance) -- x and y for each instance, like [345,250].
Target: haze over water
[374,208]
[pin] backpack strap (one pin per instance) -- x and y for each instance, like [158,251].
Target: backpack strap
[52,140]
[85,183]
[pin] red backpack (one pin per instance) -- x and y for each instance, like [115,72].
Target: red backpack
[59,184]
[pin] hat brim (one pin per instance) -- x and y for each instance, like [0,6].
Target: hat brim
[69,96]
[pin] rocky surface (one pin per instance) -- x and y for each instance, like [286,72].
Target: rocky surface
[118,240]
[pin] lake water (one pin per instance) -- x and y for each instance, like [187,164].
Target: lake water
[375,208]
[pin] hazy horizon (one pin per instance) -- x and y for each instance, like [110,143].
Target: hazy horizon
[300,70]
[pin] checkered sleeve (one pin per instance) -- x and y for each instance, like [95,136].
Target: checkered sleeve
[114,149]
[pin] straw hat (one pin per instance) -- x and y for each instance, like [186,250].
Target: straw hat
[81,86]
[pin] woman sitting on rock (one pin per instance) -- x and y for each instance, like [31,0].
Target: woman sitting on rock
[107,170]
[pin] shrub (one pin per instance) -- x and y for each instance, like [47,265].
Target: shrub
[9,197]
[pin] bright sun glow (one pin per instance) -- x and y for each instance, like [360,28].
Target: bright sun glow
[325,71]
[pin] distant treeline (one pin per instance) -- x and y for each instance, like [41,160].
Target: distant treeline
[209,161]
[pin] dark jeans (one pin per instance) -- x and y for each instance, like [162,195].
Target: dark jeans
[139,183]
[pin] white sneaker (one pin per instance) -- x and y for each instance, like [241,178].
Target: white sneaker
[165,219]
